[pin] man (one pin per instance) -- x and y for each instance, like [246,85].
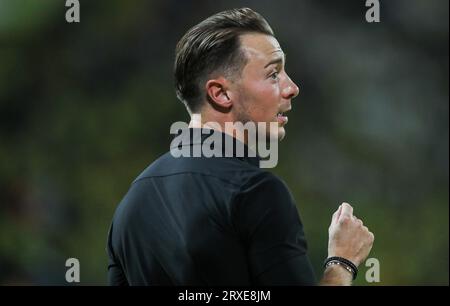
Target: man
[223,220]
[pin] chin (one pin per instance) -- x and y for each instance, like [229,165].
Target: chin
[281,133]
[278,135]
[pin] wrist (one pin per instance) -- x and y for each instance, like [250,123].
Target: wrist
[335,275]
[344,263]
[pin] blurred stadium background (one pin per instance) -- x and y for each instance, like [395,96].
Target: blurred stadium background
[84,107]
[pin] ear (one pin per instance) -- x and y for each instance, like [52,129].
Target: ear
[218,92]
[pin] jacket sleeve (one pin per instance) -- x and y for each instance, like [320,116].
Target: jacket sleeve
[270,227]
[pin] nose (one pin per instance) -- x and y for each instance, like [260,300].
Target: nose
[291,90]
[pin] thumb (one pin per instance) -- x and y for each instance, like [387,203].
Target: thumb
[346,210]
[336,214]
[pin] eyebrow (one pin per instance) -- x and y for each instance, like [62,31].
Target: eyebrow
[277,60]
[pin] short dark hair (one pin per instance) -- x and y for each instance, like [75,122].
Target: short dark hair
[211,46]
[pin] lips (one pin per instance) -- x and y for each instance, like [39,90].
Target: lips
[282,118]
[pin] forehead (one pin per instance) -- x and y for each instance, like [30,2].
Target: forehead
[260,47]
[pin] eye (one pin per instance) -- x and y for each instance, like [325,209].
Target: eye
[274,75]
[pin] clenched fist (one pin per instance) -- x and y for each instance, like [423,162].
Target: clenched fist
[348,237]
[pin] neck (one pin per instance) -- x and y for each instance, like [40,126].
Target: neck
[199,121]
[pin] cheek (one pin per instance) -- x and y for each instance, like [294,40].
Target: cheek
[265,95]
[268,97]
[268,90]
[262,100]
